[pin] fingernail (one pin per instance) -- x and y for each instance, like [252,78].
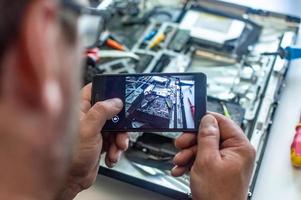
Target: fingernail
[174,168]
[117,102]
[126,143]
[208,121]
[177,155]
[112,165]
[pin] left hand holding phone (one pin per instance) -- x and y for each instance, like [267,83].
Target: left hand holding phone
[92,143]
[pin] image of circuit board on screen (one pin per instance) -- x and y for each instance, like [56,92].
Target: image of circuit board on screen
[160,102]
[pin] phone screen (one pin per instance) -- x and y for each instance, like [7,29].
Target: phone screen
[154,102]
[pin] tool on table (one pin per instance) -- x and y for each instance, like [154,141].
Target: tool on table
[150,36]
[296,147]
[106,38]
[225,110]
[288,53]
[157,40]
[117,39]
[92,56]
[115,45]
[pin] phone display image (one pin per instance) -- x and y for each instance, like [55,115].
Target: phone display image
[160,102]
[154,102]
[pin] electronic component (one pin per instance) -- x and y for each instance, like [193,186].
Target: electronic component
[222,32]
[163,62]
[153,150]
[127,7]
[215,56]
[212,29]
[143,62]
[180,40]
[158,13]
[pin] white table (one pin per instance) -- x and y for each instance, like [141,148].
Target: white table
[277,179]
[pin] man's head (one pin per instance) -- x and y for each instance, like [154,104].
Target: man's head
[39,85]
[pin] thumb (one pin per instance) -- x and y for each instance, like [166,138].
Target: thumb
[208,138]
[97,116]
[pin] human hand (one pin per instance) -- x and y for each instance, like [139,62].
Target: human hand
[92,143]
[220,158]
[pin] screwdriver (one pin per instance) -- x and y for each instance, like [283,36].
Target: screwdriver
[225,110]
[110,40]
[296,147]
[150,36]
[115,45]
[157,40]
[288,53]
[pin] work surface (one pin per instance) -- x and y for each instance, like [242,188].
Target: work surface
[277,179]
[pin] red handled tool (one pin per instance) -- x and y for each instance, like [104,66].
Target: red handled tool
[192,107]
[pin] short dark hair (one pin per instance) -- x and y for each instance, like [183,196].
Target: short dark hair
[11,18]
[11,15]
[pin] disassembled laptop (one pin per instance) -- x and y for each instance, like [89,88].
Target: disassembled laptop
[224,41]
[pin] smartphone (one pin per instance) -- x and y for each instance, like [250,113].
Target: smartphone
[162,102]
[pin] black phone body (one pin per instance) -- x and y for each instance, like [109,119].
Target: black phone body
[156,102]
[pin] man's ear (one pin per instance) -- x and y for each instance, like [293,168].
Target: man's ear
[35,76]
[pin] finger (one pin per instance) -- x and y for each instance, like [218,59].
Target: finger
[86,92]
[186,140]
[86,98]
[122,141]
[179,171]
[97,116]
[85,106]
[106,137]
[88,180]
[229,129]
[208,138]
[185,157]
[113,155]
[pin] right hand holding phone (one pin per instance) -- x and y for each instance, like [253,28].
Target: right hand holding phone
[220,159]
